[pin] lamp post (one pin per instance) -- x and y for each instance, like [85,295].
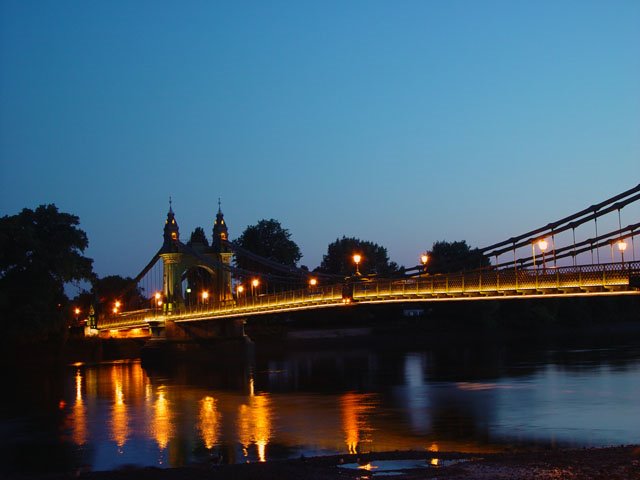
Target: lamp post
[313,282]
[622,246]
[424,258]
[77,312]
[116,306]
[205,298]
[542,245]
[356,259]
[157,302]
[255,283]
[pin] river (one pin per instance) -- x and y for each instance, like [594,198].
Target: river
[474,395]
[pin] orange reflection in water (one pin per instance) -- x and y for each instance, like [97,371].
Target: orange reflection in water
[161,427]
[78,416]
[434,448]
[254,424]
[119,418]
[209,421]
[355,408]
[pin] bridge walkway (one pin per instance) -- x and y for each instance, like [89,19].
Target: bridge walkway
[586,280]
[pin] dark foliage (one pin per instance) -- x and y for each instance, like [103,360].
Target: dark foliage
[198,238]
[269,240]
[447,257]
[339,258]
[114,287]
[40,251]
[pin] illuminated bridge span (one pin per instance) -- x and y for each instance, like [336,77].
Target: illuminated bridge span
[562,258]
[605,279]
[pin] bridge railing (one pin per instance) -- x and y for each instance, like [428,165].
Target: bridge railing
[243,303]
[506,281]
[248,303]
[476,283]
[131,319]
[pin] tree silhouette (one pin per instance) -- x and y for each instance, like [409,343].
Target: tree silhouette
[446,257]
[123,289]
[40,251]
[269,240]
[339,258]
[198,237]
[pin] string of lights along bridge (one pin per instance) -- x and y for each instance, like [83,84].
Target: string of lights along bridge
[589,253]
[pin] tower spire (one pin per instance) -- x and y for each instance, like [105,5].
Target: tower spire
[220,231]
[171,230]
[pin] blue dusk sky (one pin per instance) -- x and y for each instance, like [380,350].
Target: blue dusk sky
[399,122]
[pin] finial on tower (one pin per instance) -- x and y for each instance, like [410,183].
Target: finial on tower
[219,205]
[170,204]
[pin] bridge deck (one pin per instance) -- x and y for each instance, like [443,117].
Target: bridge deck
[588,280]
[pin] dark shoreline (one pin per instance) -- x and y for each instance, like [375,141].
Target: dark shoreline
[622,462]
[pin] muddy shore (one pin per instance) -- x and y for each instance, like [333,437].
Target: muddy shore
[611,463]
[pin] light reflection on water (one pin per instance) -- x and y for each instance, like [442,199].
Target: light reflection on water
[349,401]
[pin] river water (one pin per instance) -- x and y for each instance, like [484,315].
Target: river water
[476,395]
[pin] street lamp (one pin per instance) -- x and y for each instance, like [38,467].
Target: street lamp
[424,258]
[356,259]
[313,282]
[77,312]
[622,246]
[239,289]
[205,297]
[542,245]
[255,283]
[157,301]
[116,306]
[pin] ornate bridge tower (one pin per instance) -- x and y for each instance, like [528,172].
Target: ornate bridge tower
[172,260]
[177,258]
[222,254]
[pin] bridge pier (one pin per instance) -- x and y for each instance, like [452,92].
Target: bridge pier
[214,339]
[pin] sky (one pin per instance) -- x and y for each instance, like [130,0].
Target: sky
[398,122]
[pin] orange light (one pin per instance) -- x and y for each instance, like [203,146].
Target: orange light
[239,289]
[542,244]
[622,245]
[118,304]
[313,282]
[77,311]
[424,258]
[205,295]
[255,282]
[356,258]
[159,303]
[158,295]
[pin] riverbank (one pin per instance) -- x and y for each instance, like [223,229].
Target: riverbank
[612,463]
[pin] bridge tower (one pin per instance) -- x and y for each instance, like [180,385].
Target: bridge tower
[178,258]
[222,254]
[172,261]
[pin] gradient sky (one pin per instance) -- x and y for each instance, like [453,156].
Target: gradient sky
[399,122]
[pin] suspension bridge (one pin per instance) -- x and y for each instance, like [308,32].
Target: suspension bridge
[199,287]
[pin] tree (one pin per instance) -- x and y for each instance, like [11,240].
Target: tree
[40,251]
[269,240]
[123,289]
[446,257]
[339,258]
[198,237]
